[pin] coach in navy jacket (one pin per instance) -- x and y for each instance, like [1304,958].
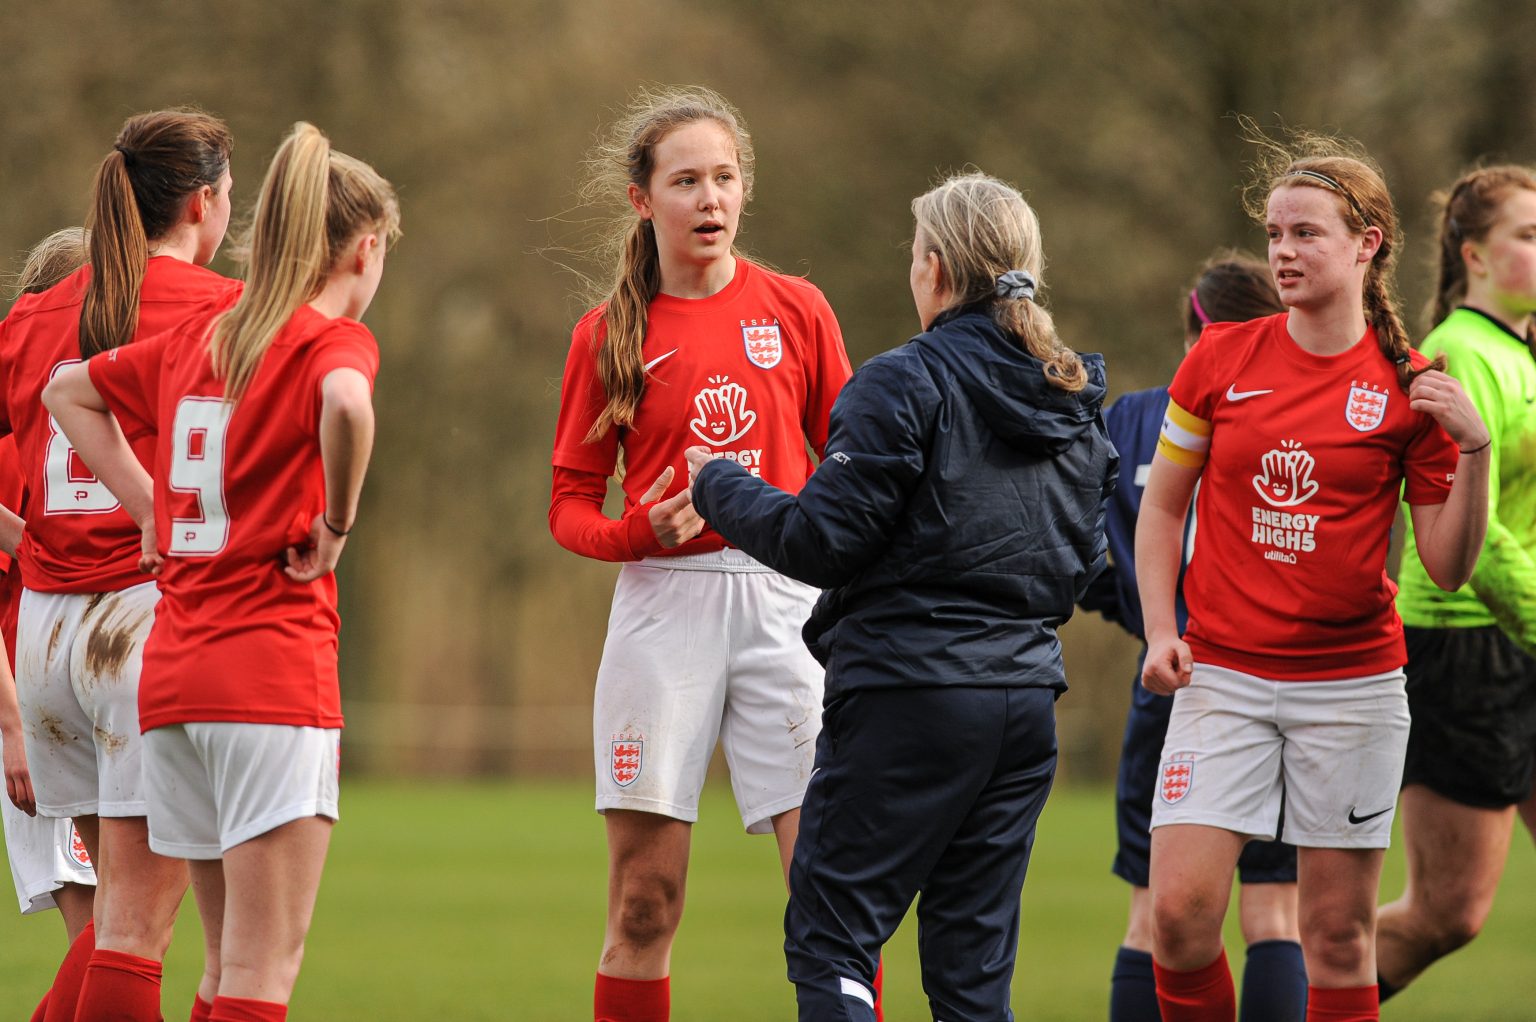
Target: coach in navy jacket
[957,515]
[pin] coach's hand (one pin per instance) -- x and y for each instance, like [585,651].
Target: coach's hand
[1168,666]
[18,779]
[697,458]
[319,558]
[674,520]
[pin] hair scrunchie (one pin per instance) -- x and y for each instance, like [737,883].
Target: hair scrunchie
[1016,285]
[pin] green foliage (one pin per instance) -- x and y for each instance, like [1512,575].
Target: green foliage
[485,902]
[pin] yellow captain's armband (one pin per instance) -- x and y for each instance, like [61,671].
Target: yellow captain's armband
[1185,439]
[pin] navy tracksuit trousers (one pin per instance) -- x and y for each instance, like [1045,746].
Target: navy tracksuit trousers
[918,792]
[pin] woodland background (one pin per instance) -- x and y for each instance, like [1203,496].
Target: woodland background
[470,639]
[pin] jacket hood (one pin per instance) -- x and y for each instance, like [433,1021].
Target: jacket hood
[1007,384]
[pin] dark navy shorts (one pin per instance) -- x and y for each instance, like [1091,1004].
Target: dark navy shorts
[1262,862]
[1472,694]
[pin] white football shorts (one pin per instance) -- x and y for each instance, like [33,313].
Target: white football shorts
[78,657]
[45,854]
[1331,752]
[705,647]
[215,785]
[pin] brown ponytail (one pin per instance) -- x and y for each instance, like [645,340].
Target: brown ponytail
[628,156]
[313,203]
[981,228]
[157,162]
[1342,167]
[1467,211]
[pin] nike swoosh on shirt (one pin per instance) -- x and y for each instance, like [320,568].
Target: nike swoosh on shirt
[658,359]
[1369,816]
[1233,394]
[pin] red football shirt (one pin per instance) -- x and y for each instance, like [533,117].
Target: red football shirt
[234,638]
[78,538]
[12,489]
[1307,457]
[750,372]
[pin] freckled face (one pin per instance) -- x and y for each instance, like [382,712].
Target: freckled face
[1313,256]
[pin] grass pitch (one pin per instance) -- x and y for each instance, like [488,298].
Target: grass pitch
[485,902]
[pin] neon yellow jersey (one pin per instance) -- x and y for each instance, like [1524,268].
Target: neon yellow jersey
[1499,374]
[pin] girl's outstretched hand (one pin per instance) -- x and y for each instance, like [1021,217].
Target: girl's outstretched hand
[673,520]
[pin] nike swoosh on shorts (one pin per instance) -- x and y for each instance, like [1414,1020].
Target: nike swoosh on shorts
[1369,816]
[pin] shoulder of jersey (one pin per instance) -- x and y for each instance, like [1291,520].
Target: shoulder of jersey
[66,293]
[593,317]
[1466,338]
[797,287]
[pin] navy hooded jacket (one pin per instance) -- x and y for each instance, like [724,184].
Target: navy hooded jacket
[958,514]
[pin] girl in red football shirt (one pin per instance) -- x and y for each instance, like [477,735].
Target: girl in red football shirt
[693,344]
[263,422]
[48,859]
[1302,429]
[159,209]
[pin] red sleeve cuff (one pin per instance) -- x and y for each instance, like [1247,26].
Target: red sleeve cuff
[639,534]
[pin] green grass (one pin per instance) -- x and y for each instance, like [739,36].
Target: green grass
[485,902]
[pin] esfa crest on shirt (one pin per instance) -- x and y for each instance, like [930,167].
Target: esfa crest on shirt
[625,757]
[764,345]
[1366,407]
[1177,777]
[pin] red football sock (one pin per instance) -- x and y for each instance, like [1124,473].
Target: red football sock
[244,1009]
[40,1010]
[1343,1004]
[66,984]
[119,987]
[880,990]
[632,1000]
[201,1009]
[1201,995]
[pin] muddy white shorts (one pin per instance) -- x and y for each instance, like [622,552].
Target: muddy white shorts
[77,678]
[45,855]
[212,786]
[700,648]
[1331,752]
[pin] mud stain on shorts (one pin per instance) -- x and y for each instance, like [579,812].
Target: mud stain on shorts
[53,639]
[110,643]
[92,604]
[110,741]
[53,729]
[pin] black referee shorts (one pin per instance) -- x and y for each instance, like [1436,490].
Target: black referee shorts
[1472,694]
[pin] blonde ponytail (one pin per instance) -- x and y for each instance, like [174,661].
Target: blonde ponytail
[313,202]
[981,228]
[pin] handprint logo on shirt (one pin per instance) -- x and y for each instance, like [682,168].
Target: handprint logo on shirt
[723,414]
[1285,477]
